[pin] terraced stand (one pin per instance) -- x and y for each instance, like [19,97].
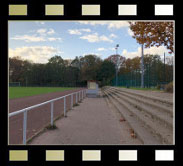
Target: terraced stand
[151,117]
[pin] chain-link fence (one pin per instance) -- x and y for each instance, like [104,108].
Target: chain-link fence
[154,75]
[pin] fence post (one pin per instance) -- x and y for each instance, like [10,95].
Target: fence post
[25,128]
[79,96]
[64,106]
[71,100]
[76,97]
[52,107]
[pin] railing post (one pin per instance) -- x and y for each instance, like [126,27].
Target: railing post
[64,106]
[79,96]
[76,97]
[25,128]
[71,100]
[52,108]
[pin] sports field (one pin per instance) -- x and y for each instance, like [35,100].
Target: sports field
[18,92]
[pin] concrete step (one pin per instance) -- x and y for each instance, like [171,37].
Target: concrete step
[127,134]
[140,130]
[152,98]
[158,106]
[163,117]
[164,134]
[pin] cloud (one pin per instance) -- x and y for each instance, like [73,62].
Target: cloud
[86,30]
[29,38]
[37,54]
[44,31]
[41,31]
[34,38]
[74,32]
[110,24]
[152,50]
[101,49]
[105,49]
[50,31]
[39,35]
[54,39]
[92,38]
[112,35]
[78,31]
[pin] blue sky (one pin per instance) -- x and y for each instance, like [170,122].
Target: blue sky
[38,41]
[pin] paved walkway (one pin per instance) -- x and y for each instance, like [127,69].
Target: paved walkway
[92,122]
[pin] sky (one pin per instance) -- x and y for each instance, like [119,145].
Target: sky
[38,41]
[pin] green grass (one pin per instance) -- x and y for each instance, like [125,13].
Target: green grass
[18,92]
[135,88]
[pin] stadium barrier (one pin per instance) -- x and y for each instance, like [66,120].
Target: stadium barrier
[79,96]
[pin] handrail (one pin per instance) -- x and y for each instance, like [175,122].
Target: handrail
[25,110]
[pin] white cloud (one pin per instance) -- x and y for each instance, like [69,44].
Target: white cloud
[50,31]
[152,50]
[86,30]
[92,38]
[78,31]
[101,49]
[28,38]
[105,49]
[37,54]
[112,35]
[112,49]
[110,24]
[54,39]
[41,31]
[74,32]
[44,31]
[34,38]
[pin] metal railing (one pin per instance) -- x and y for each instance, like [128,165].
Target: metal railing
[80,94]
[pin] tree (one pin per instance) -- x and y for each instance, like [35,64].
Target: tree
[76,62]
[90,65]
[154,34]
[56,60]
[150,34]
[118,60]
[18,68]
[106,72]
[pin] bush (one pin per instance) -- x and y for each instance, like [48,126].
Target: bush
[169,87]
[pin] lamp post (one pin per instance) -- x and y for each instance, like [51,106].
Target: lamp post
[117,64]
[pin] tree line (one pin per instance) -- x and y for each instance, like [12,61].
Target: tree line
[76,73]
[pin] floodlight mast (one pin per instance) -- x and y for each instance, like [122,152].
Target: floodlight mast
[117,64]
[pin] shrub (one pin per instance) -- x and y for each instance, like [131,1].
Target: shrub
[169,87]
